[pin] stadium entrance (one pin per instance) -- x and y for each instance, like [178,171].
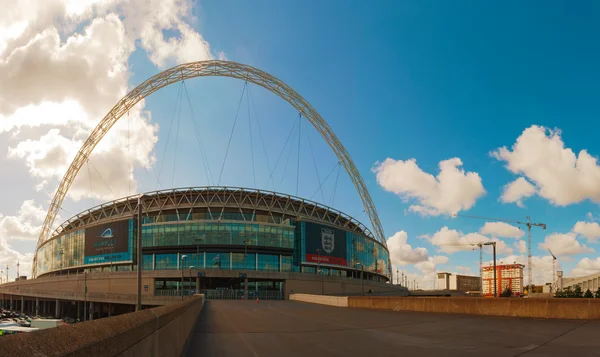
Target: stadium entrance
[220,288]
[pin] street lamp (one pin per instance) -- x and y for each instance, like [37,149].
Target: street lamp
[362,271]
[246,241]
[138,306]
[61,251]
[319,270]
[198,239]
[191,267]
[182,265]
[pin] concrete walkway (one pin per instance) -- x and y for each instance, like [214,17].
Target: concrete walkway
[286,328]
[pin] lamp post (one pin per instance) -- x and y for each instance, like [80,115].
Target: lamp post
[246,241]
[182,265]
[191,267]
[84,295]
[138,305]
[61,251]
[319,270]
[362,270]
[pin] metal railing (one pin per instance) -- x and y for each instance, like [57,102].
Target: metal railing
[225,294]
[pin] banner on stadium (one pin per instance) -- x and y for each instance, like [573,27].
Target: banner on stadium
[325,244]
[107,242]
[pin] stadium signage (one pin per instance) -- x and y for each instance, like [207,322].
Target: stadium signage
[107,242]
[324,244]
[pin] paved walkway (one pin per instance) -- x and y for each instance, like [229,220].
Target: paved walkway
[286,328]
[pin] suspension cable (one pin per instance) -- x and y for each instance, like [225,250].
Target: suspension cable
[232,130]
[130,172]
[298,160]
[315,163]
[176,139]
[251,143]
[329,174]
[260,133]
[162,162]
[102,178]
[281,152]
[205,162]
[335,185]
[90,178]
[287,160]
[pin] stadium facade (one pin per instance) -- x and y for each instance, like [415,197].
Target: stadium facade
[236,231]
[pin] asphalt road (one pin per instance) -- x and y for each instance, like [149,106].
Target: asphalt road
[286,328]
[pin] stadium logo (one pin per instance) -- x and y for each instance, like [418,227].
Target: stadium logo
[328,240]
[107,233]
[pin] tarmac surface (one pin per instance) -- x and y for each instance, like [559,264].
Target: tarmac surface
[289,328]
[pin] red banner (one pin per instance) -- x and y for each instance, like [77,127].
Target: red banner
[324,259]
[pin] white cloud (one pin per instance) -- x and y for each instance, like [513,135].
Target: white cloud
[521,246]
[562,244]
[402,253]
[517,190]
[464,270]
[451,191]
[450,241]
[25,225]
[501,229]
[63,65]
[586,266]
[560,176]
[10,257]
[542,267]
[590,230]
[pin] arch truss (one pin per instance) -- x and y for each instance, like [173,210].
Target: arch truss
[206,69]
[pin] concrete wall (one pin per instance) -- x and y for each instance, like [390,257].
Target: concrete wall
[581,309]
[339,301]
[121,287]
[161,331]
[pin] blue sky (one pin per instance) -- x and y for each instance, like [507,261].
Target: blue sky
[428,81]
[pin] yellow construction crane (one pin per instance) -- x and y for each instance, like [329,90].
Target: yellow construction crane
[528,224]
[480,245]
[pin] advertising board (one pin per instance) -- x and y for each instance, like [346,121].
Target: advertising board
[325,244]
[107,242]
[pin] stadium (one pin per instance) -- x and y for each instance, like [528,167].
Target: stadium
[251,239]
[222,242]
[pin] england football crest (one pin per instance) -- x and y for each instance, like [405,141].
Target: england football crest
[328,240]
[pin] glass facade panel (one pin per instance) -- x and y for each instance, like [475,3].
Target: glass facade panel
[268,262]
[201,233]
[196,231]
[166,261]
[148,259]
[286,263]
[217,261]
[362,250]
[244,261]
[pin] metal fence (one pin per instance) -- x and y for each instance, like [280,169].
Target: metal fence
[225,294]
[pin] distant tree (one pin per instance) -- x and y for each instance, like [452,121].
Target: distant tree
[597,294]
[578,292]
[588,294]
[506,293]
[565,293]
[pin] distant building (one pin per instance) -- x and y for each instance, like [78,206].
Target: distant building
[591,282]
[507,276]
[449,281]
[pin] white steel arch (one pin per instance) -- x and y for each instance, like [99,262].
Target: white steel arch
[205,69]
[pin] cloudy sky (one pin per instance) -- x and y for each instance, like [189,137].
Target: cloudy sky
[476,110]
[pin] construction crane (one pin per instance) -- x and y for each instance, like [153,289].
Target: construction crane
[528,224]
[553,270]
[480,245]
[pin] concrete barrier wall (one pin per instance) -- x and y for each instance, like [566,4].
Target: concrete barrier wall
[581,309]
[339,301]
[162,331]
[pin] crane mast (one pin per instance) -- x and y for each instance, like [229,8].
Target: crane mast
[528,224]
